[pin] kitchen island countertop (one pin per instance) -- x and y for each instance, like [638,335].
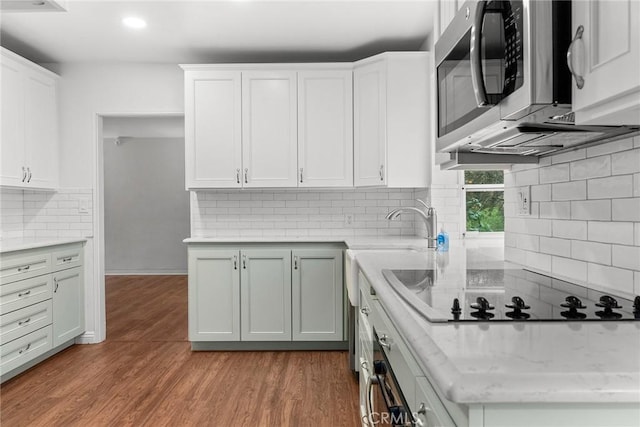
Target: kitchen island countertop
[20,244]
[509,362]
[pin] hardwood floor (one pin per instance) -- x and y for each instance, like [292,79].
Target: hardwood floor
[145,374]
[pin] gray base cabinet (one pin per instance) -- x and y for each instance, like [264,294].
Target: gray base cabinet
[41,304]
[263,294]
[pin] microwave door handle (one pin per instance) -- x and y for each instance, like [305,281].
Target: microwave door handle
[476,60]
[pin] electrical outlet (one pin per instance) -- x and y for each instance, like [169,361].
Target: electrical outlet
[84,207]
[523,200]
[348,219]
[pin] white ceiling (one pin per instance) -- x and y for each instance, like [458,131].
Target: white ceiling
[208,31]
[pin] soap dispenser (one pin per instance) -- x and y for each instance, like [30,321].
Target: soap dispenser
[443,241]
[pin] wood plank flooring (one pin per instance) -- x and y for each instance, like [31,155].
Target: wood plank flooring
[145,374]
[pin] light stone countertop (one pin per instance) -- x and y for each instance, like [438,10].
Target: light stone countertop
[510,362]
[357,243]
[20,244]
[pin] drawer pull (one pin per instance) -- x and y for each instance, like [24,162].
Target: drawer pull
[21,294]
[383,342]
[67,259]
[25,349]
[23,322]
[55,280]
[365,310]
[25,268]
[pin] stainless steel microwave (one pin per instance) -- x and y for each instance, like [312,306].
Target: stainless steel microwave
[499,62]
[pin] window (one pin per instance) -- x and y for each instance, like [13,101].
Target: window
[484,201]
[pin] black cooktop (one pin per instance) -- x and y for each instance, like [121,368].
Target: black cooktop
[508,295]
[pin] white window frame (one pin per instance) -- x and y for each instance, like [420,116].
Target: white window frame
[475,188]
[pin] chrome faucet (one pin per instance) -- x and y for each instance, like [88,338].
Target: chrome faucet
[428,215]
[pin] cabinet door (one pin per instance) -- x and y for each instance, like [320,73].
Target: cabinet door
[269,129]
[41,132]
[428,407]
[611,91]
[370,126]
[68,305]
[12,151]
[213,129]
[214,294]
[325,129]
[266,295]
[317,295]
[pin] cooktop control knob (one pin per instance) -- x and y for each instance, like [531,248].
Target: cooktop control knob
[608,303]
[379,367]
[482,306]
[457,311]
[573,304]
[517,305]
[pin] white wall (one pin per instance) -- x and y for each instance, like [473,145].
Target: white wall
[88,90]
[585,216]
[146,206]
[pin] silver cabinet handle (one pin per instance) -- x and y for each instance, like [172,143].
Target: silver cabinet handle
[246,175]
[21,294]
[422,410]
[67,259]
[383,341]
[55,280]
[25,349]
[575,57]
[295,262]
[24,174]
[364,365]
[237,176]
[25,268]
[235,262]
[365,310]
[301,176]
[29,179]
[23,322]
[244,262]
[381,172]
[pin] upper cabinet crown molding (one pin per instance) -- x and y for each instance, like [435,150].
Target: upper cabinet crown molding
[29,110]
[606,53]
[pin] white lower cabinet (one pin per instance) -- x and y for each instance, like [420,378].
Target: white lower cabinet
[265,294]
[42,304]
[428,408]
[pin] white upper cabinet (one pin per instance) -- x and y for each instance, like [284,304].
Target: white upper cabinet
[269,128]
[325,128]
[29,147]
[392,120]
[606,54]
[213,128]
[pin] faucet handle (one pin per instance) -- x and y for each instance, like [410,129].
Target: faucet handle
[423,203]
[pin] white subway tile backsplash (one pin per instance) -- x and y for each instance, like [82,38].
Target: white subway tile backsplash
[636,185]
[569,229]
[626,257]
[610,277]
[555,210]
[569,268]
[541,193]
[556,173]
[625,162]
[611,232]
[538,261]
[610,147]
[576,190]
[526,177]
[554,246]
[626,209]
[591,251]
[594,210]
[569,156]
[590,168]
[611,187]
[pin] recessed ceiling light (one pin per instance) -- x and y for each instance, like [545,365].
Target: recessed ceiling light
[133,22]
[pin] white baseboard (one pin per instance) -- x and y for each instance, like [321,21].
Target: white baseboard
[87,338]
[145,273]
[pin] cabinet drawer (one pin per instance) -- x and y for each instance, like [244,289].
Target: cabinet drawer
[17,295]
[66,257]
[428,406]
[23,265]
[24,321]
[26,348]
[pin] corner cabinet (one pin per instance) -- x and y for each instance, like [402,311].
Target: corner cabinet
[29,110]
[268,126]
[392,131]
[606,55]
[41,304]
[265,293]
